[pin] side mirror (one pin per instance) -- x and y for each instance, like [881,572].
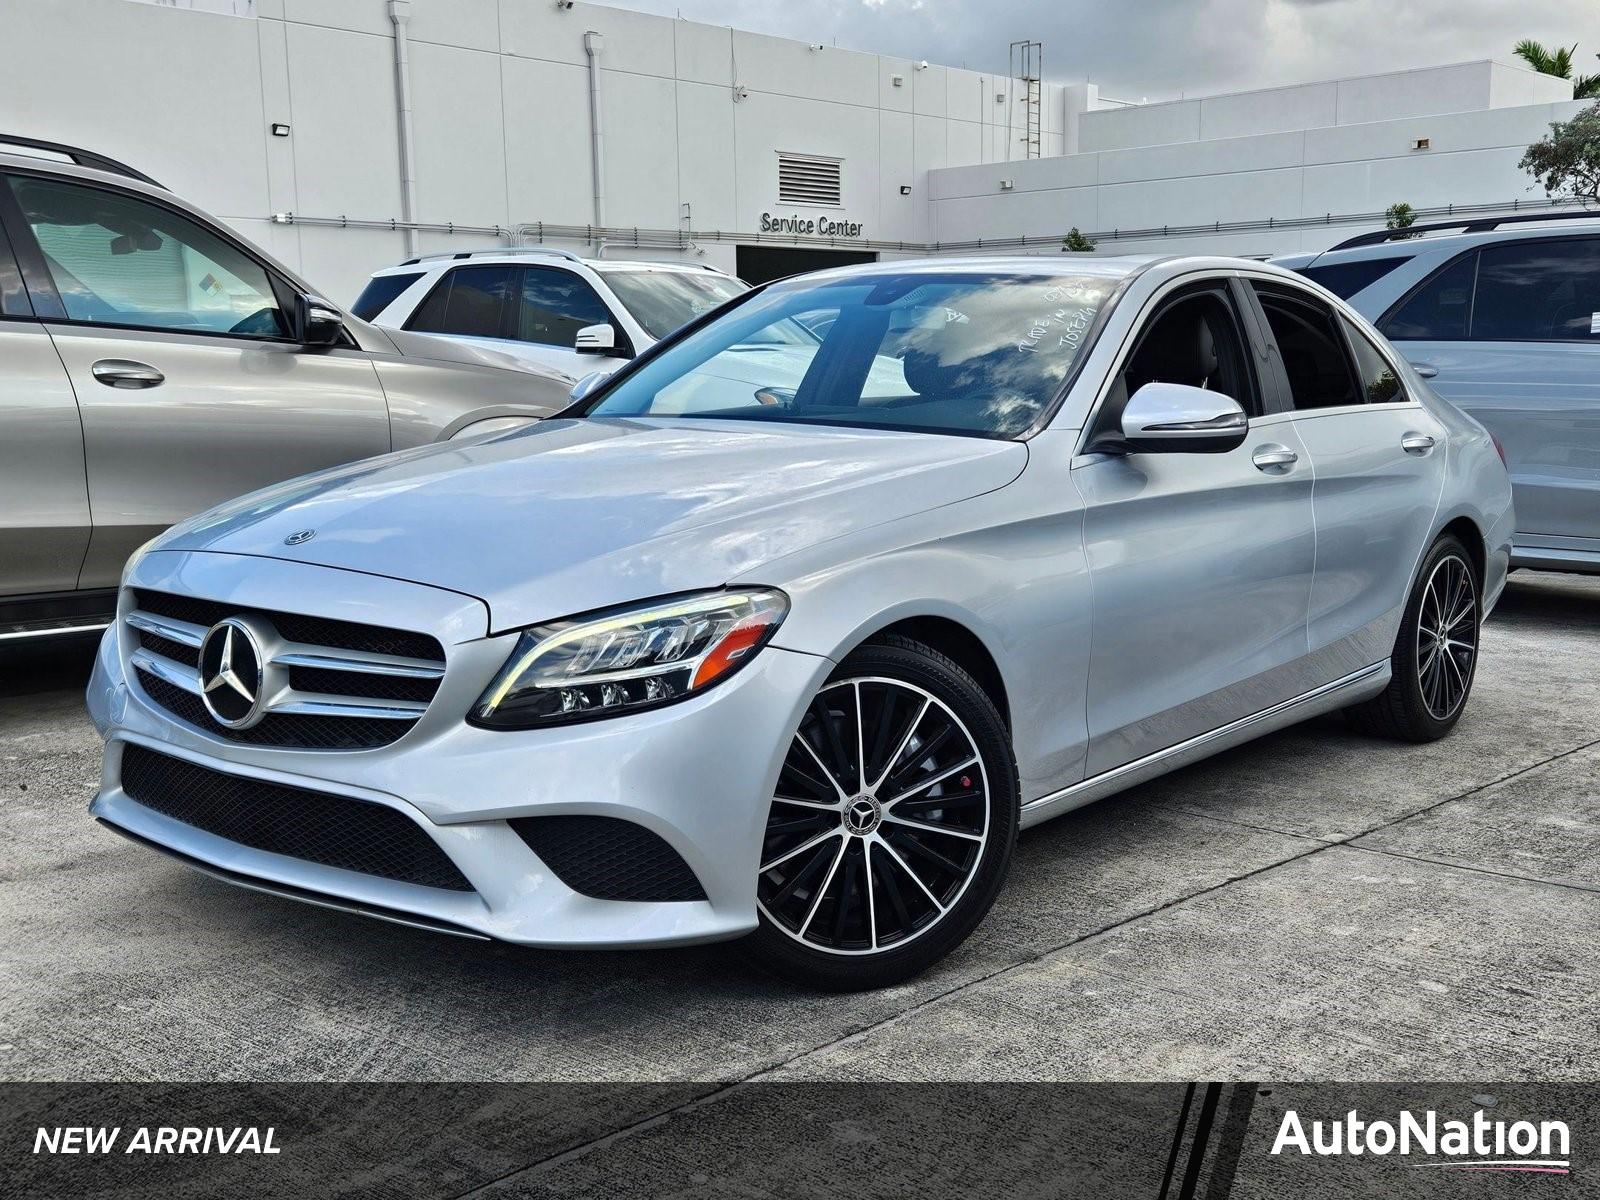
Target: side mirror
[596,339]
[586,386]
[1174,417]
[316,322]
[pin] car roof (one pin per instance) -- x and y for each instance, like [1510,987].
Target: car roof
[1119,266]
[1445,244]
[511,254]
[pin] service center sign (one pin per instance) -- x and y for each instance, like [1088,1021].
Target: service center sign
[814,226]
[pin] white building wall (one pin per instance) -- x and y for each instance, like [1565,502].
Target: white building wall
[1332,170]
[501,118]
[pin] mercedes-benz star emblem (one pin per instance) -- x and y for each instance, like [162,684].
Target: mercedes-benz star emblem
[298,536]
[231,670]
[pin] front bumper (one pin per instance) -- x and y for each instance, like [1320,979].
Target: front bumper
[698,774]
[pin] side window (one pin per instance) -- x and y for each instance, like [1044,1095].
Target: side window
[1439,310]
[1312,348]
[381,291]
[1538,291]
[1194,339]
[555,305]
[1378,380]
[469,302]
[119,260]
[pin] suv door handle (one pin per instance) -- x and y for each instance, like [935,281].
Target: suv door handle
[1273,456]
[125,373]
[1426,370]
[1416,443]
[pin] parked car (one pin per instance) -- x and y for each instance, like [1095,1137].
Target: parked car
[660,671]
[547,307]
[154,363]
[1502,315]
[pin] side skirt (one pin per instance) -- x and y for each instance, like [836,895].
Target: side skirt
[1351,689]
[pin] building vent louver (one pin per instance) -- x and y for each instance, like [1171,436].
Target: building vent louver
[808,179]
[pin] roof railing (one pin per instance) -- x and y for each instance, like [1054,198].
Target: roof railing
[73,154]
[548,251]
[1464,225]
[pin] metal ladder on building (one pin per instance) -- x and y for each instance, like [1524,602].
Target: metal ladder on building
[1026,63]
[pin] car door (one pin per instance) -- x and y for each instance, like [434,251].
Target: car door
[177,341]
[1511,334]
[44,499]
[1200,564]
[1379,459]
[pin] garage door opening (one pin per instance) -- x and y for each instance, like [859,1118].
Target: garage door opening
[759,264]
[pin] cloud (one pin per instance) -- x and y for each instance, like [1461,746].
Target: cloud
[1160,49]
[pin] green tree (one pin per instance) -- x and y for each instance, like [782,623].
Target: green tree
[1399,216]
[1566,161]
[1558,62]
[1076,240]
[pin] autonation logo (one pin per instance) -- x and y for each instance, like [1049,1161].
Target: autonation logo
[1476,1145]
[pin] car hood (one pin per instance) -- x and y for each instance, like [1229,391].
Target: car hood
[566,516]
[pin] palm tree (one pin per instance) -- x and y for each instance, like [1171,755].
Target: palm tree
[1558,62]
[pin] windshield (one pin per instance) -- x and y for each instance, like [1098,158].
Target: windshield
[982,355]
[663,300]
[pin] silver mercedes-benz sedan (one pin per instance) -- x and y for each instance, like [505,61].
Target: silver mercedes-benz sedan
[667,669]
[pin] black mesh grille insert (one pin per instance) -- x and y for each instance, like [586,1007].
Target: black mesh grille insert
[295,627]
[336,831]
[609,858]
[278,729]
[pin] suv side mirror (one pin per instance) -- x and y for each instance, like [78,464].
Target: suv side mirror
[1168,417]
[596,339]
[316,321]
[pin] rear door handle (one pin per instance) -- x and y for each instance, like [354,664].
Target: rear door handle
[1273,457]
[125,373]
[1426,370]
[1416,443]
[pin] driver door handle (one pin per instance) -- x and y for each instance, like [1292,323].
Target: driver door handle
[1416,443]
[126,373]
[1426,370]
[1272,457]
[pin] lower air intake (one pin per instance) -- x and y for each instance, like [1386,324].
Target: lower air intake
[336,831]
[609,858]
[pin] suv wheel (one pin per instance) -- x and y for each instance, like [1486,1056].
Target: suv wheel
[892,827]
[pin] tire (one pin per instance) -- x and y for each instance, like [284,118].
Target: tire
[851,897]
[1430,683]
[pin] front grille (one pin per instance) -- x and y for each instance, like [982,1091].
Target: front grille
[295,627]
[609,858]
[286,731]
[336,831]
[333,687]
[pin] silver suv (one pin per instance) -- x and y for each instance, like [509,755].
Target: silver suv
[1502,315]
[153,363]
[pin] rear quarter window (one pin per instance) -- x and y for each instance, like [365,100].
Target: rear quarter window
[1345,279]
[380,292]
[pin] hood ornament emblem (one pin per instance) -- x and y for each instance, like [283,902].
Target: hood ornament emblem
[299,536]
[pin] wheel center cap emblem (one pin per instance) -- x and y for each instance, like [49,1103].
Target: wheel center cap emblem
[232,667]
[863,815]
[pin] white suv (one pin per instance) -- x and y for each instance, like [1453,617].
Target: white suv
[545,307]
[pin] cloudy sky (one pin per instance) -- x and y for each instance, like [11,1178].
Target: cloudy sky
[1158,49]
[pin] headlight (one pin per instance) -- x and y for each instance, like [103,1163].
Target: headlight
[626,659]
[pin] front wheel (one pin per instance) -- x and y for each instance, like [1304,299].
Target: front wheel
[1436,654]
[891,830]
